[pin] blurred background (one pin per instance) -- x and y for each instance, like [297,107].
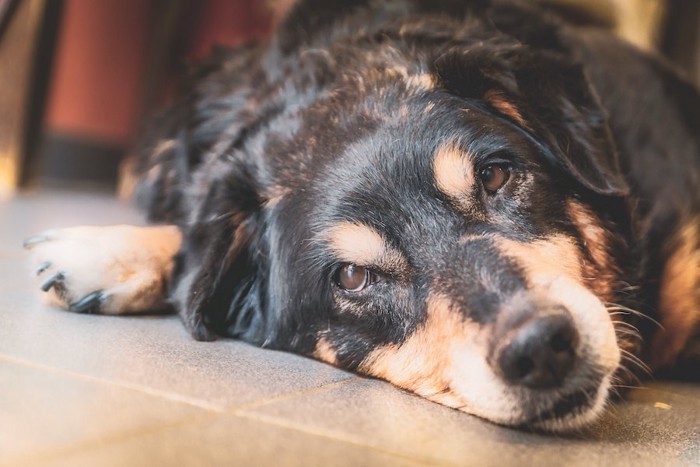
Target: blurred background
[78,78]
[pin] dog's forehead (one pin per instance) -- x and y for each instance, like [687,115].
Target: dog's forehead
[413,164]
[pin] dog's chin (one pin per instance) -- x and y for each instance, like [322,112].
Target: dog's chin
[573,411]
[566,412]
[570,411]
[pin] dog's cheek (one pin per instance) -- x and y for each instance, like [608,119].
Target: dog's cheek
[599,270]
[679,300]
[598,267]
[422,363]
[325,352]
[354,329]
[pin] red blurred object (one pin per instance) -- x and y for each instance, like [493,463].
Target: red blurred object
[227,22]
[103,55]
[102,48]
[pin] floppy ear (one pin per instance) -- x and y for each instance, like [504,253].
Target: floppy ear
[219,290]
[550,98]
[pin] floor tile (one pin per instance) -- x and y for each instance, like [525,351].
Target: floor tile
[231,441]
[376,414]
[43,412]
[154,353]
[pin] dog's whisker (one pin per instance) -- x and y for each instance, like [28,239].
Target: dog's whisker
[627,328]
[636,364]
[626,386]
[627,287]
[630,375]
[625,324]
[617,313]
[626,376]
[627,332]
[616,307]
[633,359]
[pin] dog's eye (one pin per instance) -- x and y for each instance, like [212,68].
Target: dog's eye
[494,176]
[354,278]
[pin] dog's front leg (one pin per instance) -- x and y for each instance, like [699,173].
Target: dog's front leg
[111,270]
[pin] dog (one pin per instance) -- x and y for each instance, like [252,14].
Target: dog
[474,200]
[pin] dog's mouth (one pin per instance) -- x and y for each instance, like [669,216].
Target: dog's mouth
[576,402]
[571,410]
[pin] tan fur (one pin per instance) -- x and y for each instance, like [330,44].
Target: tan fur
[421,364]
[453,172]
[600,272]
[499,102]
[325,352]
[360,244]
[422,81]
[545,259]
[679,301]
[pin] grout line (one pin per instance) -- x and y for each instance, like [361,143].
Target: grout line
[291,395]
[134,387]
[61,452]
[199,403]
[57,452]
[336,436]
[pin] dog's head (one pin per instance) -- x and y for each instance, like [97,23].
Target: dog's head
[441,225]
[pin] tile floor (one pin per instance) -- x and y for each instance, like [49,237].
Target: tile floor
[95,390]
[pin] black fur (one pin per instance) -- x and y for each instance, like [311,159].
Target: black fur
[275,141]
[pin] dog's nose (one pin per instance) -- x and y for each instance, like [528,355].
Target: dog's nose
[540,352]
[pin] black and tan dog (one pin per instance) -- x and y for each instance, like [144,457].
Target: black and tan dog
[470,199]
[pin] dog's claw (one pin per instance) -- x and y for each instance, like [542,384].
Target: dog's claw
[88,302]
[42,268]
[55,279]
[31,242]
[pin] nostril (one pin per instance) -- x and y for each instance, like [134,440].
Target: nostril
[524,366]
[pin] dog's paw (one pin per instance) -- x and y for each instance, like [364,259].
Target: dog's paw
[110,270]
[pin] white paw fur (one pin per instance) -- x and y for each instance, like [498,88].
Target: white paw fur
[111,270]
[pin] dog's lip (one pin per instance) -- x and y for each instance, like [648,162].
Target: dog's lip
[572,403]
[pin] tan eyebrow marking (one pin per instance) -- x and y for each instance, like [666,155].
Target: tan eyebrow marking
[453,172]
[359,243]
[499,102]
[544,259]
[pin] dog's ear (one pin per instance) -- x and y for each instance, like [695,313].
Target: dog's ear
[219,290]
[547,96]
